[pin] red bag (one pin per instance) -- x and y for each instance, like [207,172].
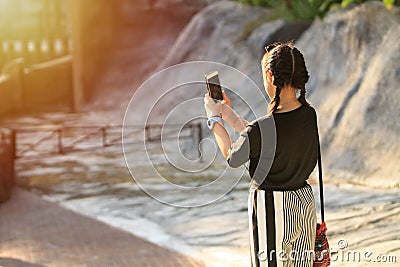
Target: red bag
[321,249]
[322,255]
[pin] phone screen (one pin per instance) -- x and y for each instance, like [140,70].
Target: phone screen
[214,86]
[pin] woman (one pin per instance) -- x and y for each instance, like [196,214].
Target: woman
[281,203]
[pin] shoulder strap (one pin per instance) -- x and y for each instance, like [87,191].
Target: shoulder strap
[321,186]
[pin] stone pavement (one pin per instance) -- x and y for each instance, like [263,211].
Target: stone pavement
[36,233]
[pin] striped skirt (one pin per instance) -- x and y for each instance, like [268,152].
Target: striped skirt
[282,227]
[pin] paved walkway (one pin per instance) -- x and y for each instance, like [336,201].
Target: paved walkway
[36,233]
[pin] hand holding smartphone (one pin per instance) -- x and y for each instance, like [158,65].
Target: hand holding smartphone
[214,86]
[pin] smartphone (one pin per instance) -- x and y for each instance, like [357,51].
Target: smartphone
[214,86]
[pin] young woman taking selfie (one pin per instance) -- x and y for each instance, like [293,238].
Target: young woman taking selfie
[282,216]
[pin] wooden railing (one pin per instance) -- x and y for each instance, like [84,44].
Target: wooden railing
[38,142]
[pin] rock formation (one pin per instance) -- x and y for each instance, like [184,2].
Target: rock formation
[353,60]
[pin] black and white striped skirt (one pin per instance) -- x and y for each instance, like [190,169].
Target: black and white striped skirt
[282,227]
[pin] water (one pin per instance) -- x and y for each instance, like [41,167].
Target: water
[100,186]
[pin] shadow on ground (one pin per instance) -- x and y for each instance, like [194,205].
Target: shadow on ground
[10,262]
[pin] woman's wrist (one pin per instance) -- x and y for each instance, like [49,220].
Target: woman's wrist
[212,120]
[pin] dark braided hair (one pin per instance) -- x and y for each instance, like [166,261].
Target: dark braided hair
[287,65]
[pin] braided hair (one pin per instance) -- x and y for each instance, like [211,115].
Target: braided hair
[287,65]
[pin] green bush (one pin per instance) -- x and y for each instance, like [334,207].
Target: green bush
[308,9]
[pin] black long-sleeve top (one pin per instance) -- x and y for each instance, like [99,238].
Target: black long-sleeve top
[282,149]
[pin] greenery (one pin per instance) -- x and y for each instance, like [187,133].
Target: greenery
[249,26]
[308,9]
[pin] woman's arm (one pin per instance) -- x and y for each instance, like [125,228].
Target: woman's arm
[230,116]
[214,112]
[223,139]
[238,124]
[236,153]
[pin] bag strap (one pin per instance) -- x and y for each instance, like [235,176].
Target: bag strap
[321,186]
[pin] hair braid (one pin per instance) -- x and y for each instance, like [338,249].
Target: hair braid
[302,97]
[277,99]
[301,76]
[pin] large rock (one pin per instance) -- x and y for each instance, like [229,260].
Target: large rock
[353,57]
[225,32]
[216,33]
[230,33]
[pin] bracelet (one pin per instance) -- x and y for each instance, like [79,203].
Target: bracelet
[212,120]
